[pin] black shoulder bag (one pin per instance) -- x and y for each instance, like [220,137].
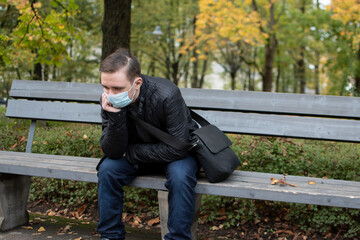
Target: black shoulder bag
[210,145]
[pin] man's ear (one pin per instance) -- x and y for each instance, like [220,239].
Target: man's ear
[138,82]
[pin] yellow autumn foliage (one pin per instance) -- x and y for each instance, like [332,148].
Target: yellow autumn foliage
[223,21]
[348,12]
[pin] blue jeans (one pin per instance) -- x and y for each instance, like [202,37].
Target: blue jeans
[181,180]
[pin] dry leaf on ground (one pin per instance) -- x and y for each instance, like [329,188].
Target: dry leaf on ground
[154,221]
[41,229]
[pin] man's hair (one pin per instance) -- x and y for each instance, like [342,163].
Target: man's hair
[122,58]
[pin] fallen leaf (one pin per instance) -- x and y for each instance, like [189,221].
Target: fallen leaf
[67,228]
[222,211]
[41,229]
[221,218]
[82,209]
[13,146]
[78,238]
[27,227]
[284,231]
[153,221]
[137,220]
[51,213]
[311,182]
[214,228]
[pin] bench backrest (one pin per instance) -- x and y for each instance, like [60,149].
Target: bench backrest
[256,113]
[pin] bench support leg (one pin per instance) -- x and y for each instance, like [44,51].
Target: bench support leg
[164,209]
[14,191]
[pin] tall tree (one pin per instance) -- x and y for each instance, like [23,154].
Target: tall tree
[348,13]
[116,26]
[41,35]
[160,50]
[228,29]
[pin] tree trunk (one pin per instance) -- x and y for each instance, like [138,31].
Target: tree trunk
[296,82]
[301,71]
[46,72]
[317,63]
[317,73]
[37,75]
[116,26]
[195,76]
[270,49]
[54,72]
[175,72]
[203,72]
[233,78]
[269,63]
[357,73]
[278,75]
[301,62]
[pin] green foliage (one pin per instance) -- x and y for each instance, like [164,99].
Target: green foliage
[62,140]
[325,219]
[59,37]
[63,192]
[12,132]
[294,157]
[139,200]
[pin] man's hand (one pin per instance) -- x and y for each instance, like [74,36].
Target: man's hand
[106,105]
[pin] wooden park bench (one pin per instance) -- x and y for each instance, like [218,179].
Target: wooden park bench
[328,118]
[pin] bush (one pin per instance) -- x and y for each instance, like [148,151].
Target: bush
[294,157]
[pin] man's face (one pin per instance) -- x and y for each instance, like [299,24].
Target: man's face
[115,83]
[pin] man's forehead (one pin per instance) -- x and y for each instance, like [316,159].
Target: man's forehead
[117,79]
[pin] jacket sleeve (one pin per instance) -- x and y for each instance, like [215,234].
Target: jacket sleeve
[176,124]
[114,137]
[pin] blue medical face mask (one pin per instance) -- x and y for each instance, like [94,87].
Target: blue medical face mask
[121,100]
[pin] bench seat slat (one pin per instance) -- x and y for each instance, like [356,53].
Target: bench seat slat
[51,163]
[247,123]
[249,101]
[71,162]
[39,158]
[242,184]
[293,179]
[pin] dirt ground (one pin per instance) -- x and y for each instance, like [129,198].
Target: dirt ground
[259,230]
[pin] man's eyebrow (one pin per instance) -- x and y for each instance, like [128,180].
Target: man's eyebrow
[117,87]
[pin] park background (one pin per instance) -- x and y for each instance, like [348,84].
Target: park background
[296,46]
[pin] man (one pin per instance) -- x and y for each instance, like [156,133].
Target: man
[130,151]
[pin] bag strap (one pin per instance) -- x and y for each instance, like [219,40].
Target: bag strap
[167,138]
[163,136]
[199,119]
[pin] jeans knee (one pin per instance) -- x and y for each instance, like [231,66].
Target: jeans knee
[180,180]
[116,172]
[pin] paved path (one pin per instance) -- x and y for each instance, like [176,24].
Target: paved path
[44,227]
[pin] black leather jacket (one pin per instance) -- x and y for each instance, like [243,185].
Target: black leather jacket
[160,103]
